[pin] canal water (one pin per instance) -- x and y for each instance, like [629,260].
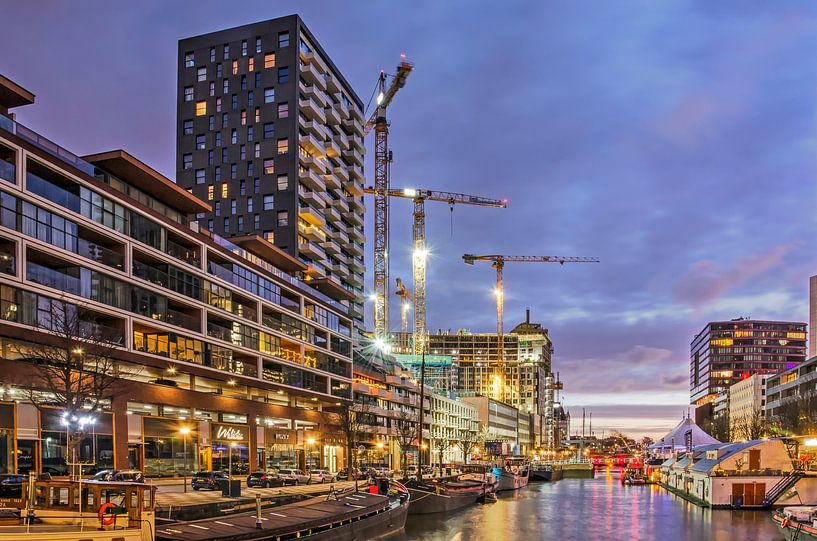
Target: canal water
[599,509]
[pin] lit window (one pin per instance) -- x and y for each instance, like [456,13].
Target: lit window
[199,176]
[283,146]
[251,64]
[188,93]
[283,218]
[269,202]
[201,108]
[210,192]
[189,60]
[269,95]
[249,204]
[235,67]
[187,161]
[218,105]
[283,110]
[269,130]
[257,45]
[283,75]
[269,236]
[269,60]
[257,150]
[225,190]
[283,39]
[234,136]
[243,117]
[283,182]
[201,74]
[269,166]
[257,115]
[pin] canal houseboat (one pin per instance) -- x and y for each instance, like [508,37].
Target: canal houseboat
[799,523]
[514,475]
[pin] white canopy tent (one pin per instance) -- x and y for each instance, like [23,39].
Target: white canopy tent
[686,435]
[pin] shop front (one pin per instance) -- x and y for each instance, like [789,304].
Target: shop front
[230,448]
[280,449]
[7,438]
[170,447]
[94,452]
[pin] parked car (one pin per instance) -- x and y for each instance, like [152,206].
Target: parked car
[411,470]
[119,476]
[321,476]
[208,480]
[264,479]
[11,485]
[294,477]
[343,474]
[379,472]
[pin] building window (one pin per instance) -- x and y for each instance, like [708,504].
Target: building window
[210,190]
[235,67]
[188,93]
[224,155]
[226,225]
[200,141]
[218,105]
[242,152]
[233,170]
[211,123]
[212,88]
[219,71]
[283,146]
[199,176]
[256,185]
[269,166]
[250,203]
[189,60]
[225,190]
[243,117]
[212,54]
[269,60]
[240,226]
[283,74]
[257,45]
[209,157]
[251,64]
[257,150]
[283,110]
[226,51]
[233,206]
[269,202]
[257,115]
[256,222]
[242,187]
[225,86]
[244,48]
[269,236]
[243,82]
[187,161]
[257,79]
[234,102]
[269,95]
[283,39]
[234,136]
[283,182]
[225,120]
[269,130]
[201,74]
[188,127]
[218,139]
[218,173]
[283,218]
[249,133]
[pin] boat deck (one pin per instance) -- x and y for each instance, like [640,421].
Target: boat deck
[313,514]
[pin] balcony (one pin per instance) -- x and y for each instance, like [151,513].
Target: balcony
[353,157]
[354,126]
[340,270]
[312,215]
[341,205]
[312,180]
[309,57]
[312,250]
[355,248]
[315,163]
[332,148]
[340,107]
[311,74]
[342,140]
[356,113]
[332,181]
[356,189]
[312,110]
[355,218]
[332,116]
[313,144]
[331,247]
[332,214]
[356,264]
[312,127]
[356,172]
[311,232]
[339,236]
[357,142]
[313,198]
[341,172]
[311,91]
[356,234]
[332,85]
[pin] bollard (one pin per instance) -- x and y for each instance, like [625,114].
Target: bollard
[258,510]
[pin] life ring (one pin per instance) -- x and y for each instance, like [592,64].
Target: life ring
[785,522]
[106,519]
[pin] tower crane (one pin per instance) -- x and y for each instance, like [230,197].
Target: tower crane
[498,262]
[419,250]
[406,296]
[382,159]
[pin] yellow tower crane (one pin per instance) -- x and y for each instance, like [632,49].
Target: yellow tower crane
[406,297]
[382,159]
[419,250]
[498,263]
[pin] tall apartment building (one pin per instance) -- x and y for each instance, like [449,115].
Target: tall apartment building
[271,134]
[792,384]
[724,352]
[747,398]
[223,357]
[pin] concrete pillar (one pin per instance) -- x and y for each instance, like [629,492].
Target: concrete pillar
[253,444]
[119,405]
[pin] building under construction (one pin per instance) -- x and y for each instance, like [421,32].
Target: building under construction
[466,363]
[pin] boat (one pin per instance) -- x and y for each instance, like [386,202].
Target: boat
[545,472]
[633,476]
[346,516]
[49,510]
[480,472]
[444,496]
[514,475]
[797,522]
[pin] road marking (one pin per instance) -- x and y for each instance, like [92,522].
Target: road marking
[173,531]
[358,506]
[277,514]
[222,523]
[199,527]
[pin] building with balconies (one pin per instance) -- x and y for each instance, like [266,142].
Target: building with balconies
[222,355]
[271,133]
[454,427]
[792,384]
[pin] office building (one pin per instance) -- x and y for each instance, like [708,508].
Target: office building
[724,352]
[271,134]
[747,400]
[799,382]
[221,358]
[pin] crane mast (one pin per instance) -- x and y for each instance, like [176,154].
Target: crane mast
[498,263]
[419,254]
[404,294]
[382,160]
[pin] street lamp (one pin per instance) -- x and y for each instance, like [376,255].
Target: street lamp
[184,431]
[309,442]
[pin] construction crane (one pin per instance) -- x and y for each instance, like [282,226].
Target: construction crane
[420,252]
[498,262]
[382,159]
[406,297]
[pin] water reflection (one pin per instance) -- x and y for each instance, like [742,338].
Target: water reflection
[591,509]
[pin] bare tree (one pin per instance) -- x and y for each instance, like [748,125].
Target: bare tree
[441,445]
[468,440]
[407,432]
[352,420]
[751,427]
[73,370]
[718,428]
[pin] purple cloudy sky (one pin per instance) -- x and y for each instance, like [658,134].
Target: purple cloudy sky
[675,140]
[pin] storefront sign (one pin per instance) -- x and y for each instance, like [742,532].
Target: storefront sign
[229,433]
[279,436]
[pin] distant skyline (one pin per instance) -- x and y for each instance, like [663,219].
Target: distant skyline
[675,141]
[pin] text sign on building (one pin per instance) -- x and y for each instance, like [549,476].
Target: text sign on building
[230,433]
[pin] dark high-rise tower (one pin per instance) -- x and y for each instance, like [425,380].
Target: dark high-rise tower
[271,133]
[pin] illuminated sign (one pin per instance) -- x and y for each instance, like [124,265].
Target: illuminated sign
[229,433]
